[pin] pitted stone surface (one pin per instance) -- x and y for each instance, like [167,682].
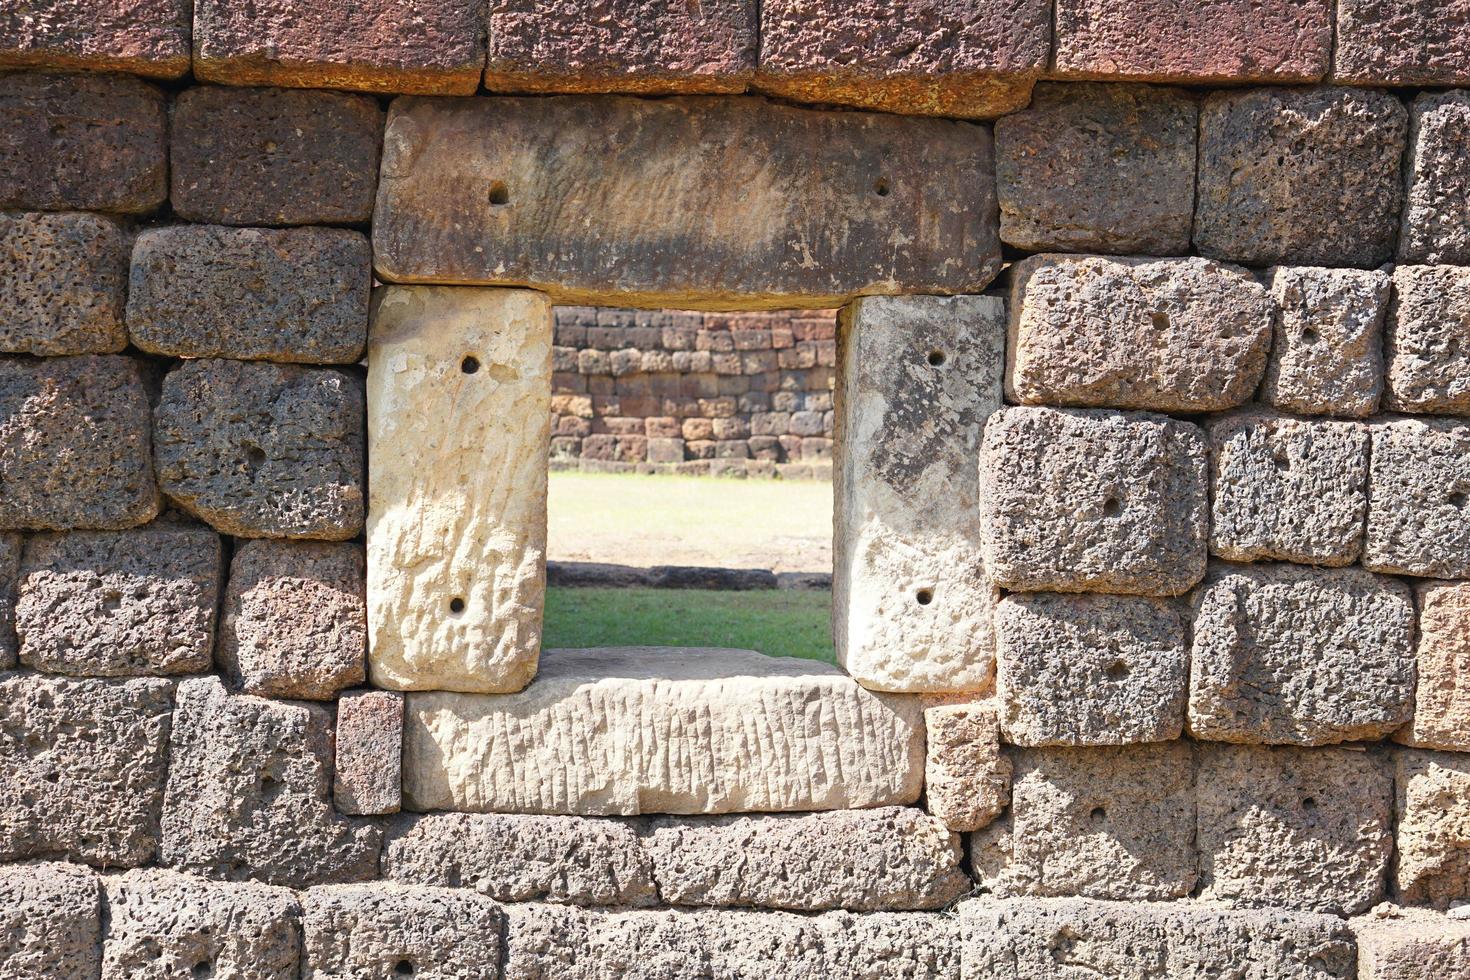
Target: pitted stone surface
[1300,828]
[1110,823]
[295,618]
[459,384]
[1090,669]
[912,603]
[1418,485]
[62,283]
[1426,340]
[1098,168]
[523,858]
[248,787]
[74,444]
[118,603]
[628,730]
[11,546]
[1435,210]
[1441,718]
[967,778]
[291,294]
[82,766]
[266,156]
[367,778]
[82,142]
[163,925]
[1093,501]
[263,450]
[474,192]
[1300,176]
[1406,42]
[1175,335]
[1327,354]
[1432,865]
[1411,944]
[385,930]
[50,922]
[144,37]
[1287,489]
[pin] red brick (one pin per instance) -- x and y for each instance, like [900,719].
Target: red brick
[1403,42]
[143,37]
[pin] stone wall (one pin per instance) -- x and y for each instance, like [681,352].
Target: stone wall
[1151,463]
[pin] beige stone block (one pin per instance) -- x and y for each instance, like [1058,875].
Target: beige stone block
[622,731]
[967,778]
[1432,807]
[1397,943]
[1441,718]
[459,409]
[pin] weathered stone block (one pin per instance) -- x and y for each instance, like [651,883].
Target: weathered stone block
[1432,807]
[1176,335]
[1101,823]
[1411,944]
[1428,324]
[274,156]
[82,142]
[50,922]
[263,450]
[1090,669]
[247,796]
[293,294]
[1300,176]
[1435,212]
[1327,353]
[459,383]
[939,58]
[1098,168]
[523,858]
[10,551]
[1305,829]
[645,47]
[383,930]
[164,925]
[1287,489]
[629,730]
[82,766]
[370,45]
[62,282]
[1093,501]
[967,778]
[1406,42]
[118,603]
[1418,482]
[912,606]
[1441,718]
[143,37]
[474,192]
[295,619]
[1165,41]
[367,778]
[74,444]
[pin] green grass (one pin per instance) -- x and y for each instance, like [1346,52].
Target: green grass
[777,623]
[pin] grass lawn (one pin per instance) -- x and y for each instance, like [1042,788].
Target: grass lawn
[779,623]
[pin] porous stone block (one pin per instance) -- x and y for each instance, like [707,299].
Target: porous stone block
[1300,176]
[473,192]
[274,156]
[371,45]
[1093,501]
[82,142]
[628,730]
[1049,939]
[62,281]
[367,778]
[1164,41]
[912,606]
[82,765]
[1174,335]
[1435,211]
[1441,718]
[1327,352]
[1090,669]
[1098,168]
[645,47]
[1287,489]
[522,857]
[1411,944]
[295,618]
[50,922]
[247,798]
[74,444]
[263,450]
[1306,829]
[1428,325]
[118,603]
[1406,42]
[164,925]
[1418,483]
[142,37]
[1097,822]
[1432,807]
[459,384]
[967,778]
[11,546]
[940,58]
[292,294]
[891,858]
[386,930]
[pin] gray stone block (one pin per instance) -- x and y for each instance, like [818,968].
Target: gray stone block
[50,922]
[1327,354]
[1419,498]
[62,282]
[1411,944]
[1436,218]
[368,776]
[10,552]
[1432,811]
[1427,341]
[388,930]
[967,777]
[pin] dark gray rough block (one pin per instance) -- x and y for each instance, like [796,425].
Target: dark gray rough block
[1436,211]
[62,284]
[10,552]
[390,930]
[50,922]
[1419,498]
[1327,353]
[1427,341]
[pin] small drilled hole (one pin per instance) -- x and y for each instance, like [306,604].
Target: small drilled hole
[924,596]
[456,605]
[1098,814]
[880,187]
[1309,336]
[1160,321]
[255,456]
[1456,499]
[403,968]
[936,358]
[1116,671]
[499,194]
[1282,461]
[1111,507]
[1309,804]
[470,364]
[203,969]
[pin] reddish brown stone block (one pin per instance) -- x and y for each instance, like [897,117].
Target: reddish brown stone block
[144,37]
[369,768]
[1403,42]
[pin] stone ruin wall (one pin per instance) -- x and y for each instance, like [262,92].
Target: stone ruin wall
[1152,458]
